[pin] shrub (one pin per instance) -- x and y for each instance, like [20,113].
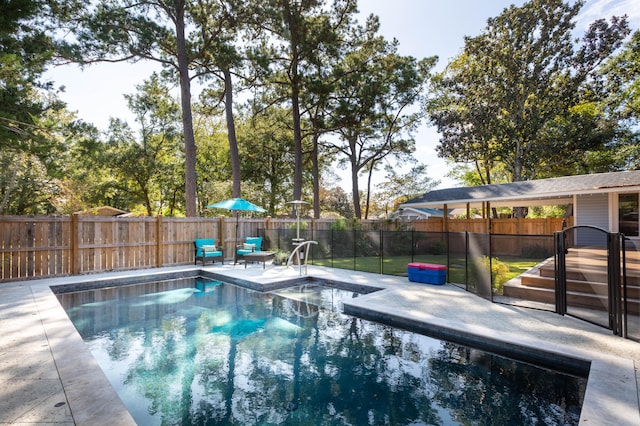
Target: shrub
[500,272]
[339,225]
[280,257]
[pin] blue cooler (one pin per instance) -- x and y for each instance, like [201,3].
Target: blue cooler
[427,273]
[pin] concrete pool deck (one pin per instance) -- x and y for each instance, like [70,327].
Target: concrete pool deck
[48,375]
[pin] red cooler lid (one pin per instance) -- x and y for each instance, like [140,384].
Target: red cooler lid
[436,267]
[430,266]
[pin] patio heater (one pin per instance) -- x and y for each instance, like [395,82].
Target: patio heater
[297,240]
[296,205]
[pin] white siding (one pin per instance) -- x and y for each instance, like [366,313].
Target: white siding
[592,210]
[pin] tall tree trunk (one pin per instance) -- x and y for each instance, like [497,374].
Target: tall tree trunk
[516,173]
[356,192]
[297,141]
[368,197]
[187,117]
[292,17]
[147,202]
[316,177]
[231,132]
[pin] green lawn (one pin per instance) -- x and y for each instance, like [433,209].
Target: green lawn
[503,270]
[391,265]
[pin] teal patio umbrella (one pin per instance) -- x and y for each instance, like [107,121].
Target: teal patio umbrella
[236,205]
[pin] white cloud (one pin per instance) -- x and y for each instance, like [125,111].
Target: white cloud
[597,9]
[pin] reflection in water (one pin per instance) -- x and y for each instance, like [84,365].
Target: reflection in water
[213,353]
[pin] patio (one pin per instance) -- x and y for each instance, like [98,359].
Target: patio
[49,375]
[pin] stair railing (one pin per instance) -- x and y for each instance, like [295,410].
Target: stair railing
[301,255]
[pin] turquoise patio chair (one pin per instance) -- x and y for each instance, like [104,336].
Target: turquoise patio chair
[206,250]
[251,245]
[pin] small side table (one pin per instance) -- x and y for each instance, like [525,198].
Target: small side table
[259,256]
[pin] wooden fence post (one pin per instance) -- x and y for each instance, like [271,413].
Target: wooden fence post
[159,241]
[488,216]
[75,267]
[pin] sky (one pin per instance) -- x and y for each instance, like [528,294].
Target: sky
[422,27]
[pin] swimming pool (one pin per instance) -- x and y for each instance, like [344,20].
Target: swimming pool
[195,351]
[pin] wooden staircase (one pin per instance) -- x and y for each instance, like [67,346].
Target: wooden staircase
[586,282]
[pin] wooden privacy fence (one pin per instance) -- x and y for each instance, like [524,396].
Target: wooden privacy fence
[37,247]
[517,226]
[49,246]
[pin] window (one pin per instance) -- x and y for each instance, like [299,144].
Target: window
[628,214]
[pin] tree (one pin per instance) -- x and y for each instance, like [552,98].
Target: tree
[622,73]
[225,60]
[85,181]
[375,91]
[459,109]
[397,187]
[336,200]
[26,186]
[213,165]
[25,50]
[127,30]
[267,157]
[503,99]
[144,166]
[28,136]
[622,86]
[302,37]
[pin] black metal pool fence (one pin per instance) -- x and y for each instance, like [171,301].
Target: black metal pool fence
[479,263]
[474,261]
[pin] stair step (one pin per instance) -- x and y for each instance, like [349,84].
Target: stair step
[576,299]
[590,275]
[536,294]
[531,280]
[586,284]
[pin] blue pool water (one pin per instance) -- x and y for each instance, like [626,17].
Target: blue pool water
[194,351]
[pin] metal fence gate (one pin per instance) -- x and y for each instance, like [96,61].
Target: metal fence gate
[590,279]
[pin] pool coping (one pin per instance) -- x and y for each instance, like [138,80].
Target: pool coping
[611,396]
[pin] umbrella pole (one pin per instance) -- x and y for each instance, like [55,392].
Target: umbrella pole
[235,242]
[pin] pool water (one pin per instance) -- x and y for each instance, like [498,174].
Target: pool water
[195,351]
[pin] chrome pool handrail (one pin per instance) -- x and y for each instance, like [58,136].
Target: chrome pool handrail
[297,252]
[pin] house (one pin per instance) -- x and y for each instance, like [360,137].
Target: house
[409,214]
[606,200]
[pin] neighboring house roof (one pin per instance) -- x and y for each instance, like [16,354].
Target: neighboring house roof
[420,211]
[533,192]
[102,211]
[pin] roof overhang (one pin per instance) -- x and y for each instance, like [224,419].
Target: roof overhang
[551,191]
[516,202]
[562,198]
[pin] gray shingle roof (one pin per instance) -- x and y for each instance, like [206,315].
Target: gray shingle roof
[533,189]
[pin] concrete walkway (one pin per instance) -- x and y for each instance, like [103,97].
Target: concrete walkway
[48,376]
